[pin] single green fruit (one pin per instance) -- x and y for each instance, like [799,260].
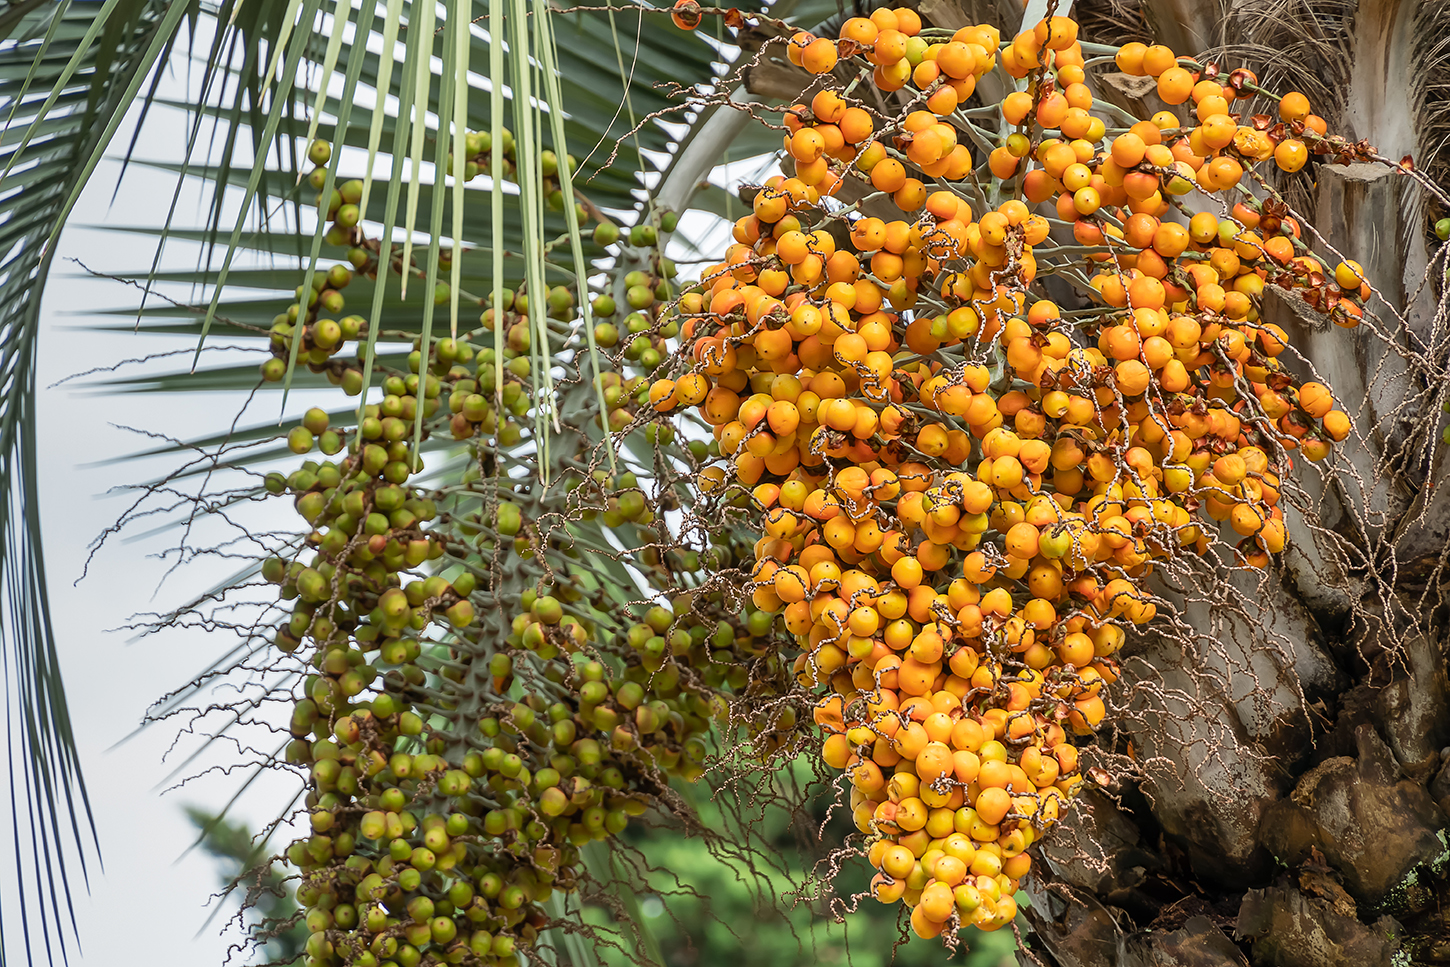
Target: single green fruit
[606,233]
[460,615]
[548,609]
[326,333]
[606,334]
[315,420]
[299,439]
[560,299]
[603,305]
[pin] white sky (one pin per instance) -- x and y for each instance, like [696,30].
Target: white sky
[109,681]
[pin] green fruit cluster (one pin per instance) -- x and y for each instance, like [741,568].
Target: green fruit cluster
[478,160]
[310,316]
[650,323]
[323,337]
[484,695]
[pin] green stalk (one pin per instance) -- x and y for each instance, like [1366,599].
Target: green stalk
[435,222]
[461,47]
[580,953]
[543,349]
[390,223]
[527,168]
[385,81]
[495,129]
[264,145]
[548,57]
[602,865]
[422,85]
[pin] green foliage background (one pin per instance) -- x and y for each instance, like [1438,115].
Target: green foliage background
[753,919]
[708,912]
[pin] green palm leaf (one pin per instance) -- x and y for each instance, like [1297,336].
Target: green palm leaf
[90,59]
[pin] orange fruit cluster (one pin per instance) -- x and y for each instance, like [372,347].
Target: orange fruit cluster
[832,129]
[961,488]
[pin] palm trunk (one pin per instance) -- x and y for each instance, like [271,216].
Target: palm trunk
[1276,792]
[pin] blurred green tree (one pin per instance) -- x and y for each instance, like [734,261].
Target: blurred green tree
[239,858]
[700,905]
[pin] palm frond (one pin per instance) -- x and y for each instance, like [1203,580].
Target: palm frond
[68,72]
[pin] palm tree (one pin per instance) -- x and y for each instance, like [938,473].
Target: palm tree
[1294,865]
[1278,786]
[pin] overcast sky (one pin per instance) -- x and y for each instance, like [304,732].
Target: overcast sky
[110,682]
[83,453]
